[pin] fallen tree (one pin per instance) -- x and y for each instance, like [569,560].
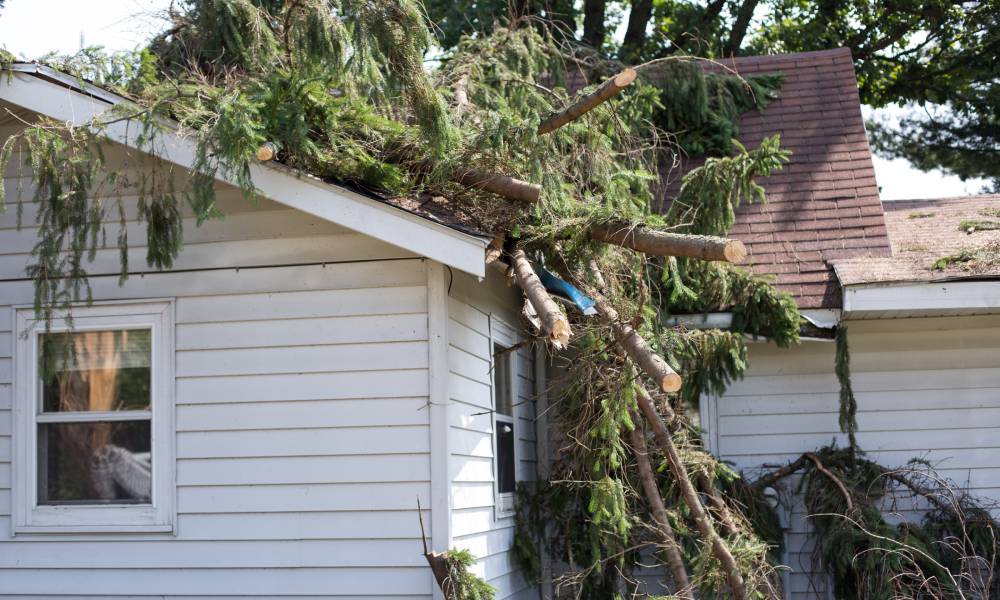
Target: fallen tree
[338,90]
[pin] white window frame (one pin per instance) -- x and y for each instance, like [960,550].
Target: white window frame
[503,502]
[159,514]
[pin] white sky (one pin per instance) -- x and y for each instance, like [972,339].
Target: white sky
[31,28]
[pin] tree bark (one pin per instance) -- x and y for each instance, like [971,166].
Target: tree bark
[638,349]
[635,31]
[739,31]
[701,518]
[501,185]
[663,243]
[554,322]
[609,89]
[593,22]
[671,549]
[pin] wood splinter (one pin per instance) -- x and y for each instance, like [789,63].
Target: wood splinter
[609,89]
[554,322]
[664,243]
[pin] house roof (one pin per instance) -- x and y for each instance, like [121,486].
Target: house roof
[422,227]
[923,232]
[824,204]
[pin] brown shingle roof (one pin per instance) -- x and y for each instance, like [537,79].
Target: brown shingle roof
[923,231]
[824,204]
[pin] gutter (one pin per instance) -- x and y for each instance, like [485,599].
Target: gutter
[823,321]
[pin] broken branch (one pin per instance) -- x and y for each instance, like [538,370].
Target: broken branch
[554,322]
[671,549]
[609,89]
[501,185]
[690,495]
[663,243]
[638,349]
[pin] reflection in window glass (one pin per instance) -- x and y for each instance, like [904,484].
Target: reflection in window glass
[94,463]
[96,370]
[501,380]
[505,457]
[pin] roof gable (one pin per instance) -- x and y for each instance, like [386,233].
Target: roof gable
[47,92]
[824,204]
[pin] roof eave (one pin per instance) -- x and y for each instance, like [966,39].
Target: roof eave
[59,96]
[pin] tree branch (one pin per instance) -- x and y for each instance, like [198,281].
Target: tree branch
[662,243]
[554,322]
[609,89]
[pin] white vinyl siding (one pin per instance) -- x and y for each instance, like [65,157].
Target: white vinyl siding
[302,438]
[926,387]
[476,525]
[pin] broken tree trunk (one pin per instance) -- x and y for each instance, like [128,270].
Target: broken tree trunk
[701,518]
[554,322]
[663,243]
[671,549]
[638,349]
[609,89]
[501,185]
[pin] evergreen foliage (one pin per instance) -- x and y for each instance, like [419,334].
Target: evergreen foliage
[340,89]
[946,555]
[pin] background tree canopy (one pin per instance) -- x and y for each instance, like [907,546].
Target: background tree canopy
[940,55]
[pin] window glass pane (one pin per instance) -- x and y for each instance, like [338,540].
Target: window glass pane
[94,463]
[501,380]
[505,457]
[96,370]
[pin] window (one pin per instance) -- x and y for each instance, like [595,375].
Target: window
[94,420]
[503,426]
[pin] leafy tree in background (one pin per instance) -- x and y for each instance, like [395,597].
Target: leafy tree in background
[939,55]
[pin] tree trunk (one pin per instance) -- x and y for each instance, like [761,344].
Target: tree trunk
[663,243]
[593,22]
[635,32]
[609,89]
[554,322]
[739,31]
[701,518]
[671,549]
[638,349]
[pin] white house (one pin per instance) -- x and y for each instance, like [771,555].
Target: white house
[263,419]
[924,343]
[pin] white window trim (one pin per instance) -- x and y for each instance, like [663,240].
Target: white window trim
[159,515]
[503,502]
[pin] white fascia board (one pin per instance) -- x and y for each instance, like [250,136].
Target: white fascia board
[951,295]
[285,186]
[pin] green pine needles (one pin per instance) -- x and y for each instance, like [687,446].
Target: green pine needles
[340,88]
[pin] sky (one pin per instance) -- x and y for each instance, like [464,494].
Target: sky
[32,28]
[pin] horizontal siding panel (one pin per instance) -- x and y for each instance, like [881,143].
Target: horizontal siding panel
[302,332]
[469,366]
[6,391]
[304,386]
[470,521]
[304,469]
[365,412]
[955,458]
[292,498]
[303,442]
[406,296]
[244,253]
[930,379]
[6,341]
[5,502]
[469,316]
[870,441]
[884,401]
[498,540]
[6,370]
[375,582]
[179,554]
[472,470]
[869,421]
[302,359]
[471,495]
[462,337]
[470,443]
[474,392]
